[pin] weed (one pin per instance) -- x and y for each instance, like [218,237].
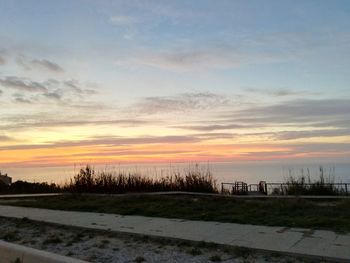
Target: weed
[139,259]
[11,236]
[215,258]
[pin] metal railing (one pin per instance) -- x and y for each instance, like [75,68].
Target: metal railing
[286,188]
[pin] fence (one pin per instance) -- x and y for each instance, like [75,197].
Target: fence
[241,188]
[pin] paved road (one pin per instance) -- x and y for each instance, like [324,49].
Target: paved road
[322,244]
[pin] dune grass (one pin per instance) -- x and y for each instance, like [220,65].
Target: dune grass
[89,181]
[316,214]
[304,185]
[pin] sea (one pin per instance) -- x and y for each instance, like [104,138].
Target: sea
[249,172]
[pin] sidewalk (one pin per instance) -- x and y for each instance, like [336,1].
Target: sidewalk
[296,241]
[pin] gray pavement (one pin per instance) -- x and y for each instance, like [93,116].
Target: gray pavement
[294,241]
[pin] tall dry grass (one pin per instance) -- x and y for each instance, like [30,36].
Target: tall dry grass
[90,181]
[304,185]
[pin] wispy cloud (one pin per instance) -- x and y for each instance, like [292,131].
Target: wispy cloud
[2,60]
[56,95]
[39,64]
[5,138]
[233,51]
[45,120]
[211,127]
[52,89]
[293,119]
[19,98]
[299,110]
[181,103]
[22,84]
[74,85]
[107,141]
[279,92]
[188,59]
[46,64]
[3,55]
[291,135]
[123,20]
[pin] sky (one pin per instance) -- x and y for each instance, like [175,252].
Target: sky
[173,81]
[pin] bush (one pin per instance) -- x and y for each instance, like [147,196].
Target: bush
[23,187]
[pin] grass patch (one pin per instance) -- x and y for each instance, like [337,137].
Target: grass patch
[306,213]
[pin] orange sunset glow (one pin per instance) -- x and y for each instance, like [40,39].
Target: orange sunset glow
[111,83]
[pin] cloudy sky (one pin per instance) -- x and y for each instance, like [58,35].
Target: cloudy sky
[165,81]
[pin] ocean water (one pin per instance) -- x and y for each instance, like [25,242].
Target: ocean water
[249,172]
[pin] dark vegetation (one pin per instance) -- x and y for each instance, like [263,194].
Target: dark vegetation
[22,187]
[195,179]
[89,181]
[332,214]
[304,185]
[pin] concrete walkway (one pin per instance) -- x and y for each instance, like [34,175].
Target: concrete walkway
[295,241]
